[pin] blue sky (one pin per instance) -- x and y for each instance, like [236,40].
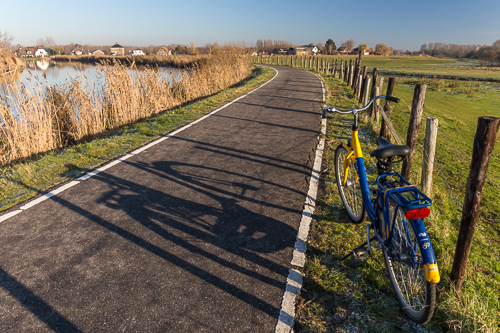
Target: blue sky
[401,24]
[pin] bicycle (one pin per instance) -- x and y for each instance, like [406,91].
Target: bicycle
[395,216]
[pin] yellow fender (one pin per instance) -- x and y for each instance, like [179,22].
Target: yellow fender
[432,273]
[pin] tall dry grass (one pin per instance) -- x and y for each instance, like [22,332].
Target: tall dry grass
[178,61]
[40,119]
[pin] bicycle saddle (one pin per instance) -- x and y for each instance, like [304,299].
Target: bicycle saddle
[386,149]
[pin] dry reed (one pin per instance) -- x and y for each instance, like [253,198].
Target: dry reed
[41,119]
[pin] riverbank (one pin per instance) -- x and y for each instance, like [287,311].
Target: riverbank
[21,181]
[42,118]
[177,61]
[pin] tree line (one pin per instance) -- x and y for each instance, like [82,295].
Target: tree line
[473,51]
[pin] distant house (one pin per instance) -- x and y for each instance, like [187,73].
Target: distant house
[279,51]
[136,52]
[163,51]
[343,50]
[117,50]
[313,50]
[77,50]
[41,53]
[299,51]
[97,53]
[27,52]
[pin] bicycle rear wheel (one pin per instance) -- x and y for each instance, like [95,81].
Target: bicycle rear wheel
[350,192]
[415,294]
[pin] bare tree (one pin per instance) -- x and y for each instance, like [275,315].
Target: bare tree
[192,48]
[349,44]
[423,48]
[5,40]
[496,44]
[49,42]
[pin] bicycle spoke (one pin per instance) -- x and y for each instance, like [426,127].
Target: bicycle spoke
[404,268]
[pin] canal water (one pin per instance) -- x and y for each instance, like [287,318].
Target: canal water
[49,73]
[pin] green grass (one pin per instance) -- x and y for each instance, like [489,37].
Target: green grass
[425,66]
[356,294]
[22,181]
[432,66]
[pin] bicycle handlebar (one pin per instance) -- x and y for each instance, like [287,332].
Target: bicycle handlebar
[392,99]
[355,111]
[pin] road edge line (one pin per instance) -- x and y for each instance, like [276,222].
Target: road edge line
[295,278]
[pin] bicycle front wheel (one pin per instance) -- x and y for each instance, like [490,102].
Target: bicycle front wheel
[350,190]
[415,294]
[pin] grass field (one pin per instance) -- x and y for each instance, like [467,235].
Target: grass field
[355,295]
[22,181]
[424,66]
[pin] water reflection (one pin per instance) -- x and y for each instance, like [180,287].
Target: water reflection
[51,73]
[42,64]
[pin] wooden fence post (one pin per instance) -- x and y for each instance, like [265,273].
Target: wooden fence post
[387,109]
[351,76]
[372,93]
[355,75]
[365,75]
[417,108]
[376,105]
[367,90]
[381,84]
[484,142]
[431,130]
[358,91]
[348,71]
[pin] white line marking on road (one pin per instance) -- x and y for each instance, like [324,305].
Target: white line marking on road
[169,135]
[294,280]
[50,194]
[9,215]
[107,166]
[123,158]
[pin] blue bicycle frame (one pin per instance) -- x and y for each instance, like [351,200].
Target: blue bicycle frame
[384,193]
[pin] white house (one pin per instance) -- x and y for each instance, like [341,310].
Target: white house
[312,49]
[136,52]
[41,53]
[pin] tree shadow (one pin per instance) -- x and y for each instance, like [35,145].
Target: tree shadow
[35,304]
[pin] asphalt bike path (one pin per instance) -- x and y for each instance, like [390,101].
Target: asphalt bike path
[193,234]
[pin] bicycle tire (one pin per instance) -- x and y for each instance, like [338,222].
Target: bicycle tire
[416,296]
[350,193]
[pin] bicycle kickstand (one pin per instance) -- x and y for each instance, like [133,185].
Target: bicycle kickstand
[361,252]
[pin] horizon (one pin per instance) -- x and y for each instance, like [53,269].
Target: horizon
[399,25]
